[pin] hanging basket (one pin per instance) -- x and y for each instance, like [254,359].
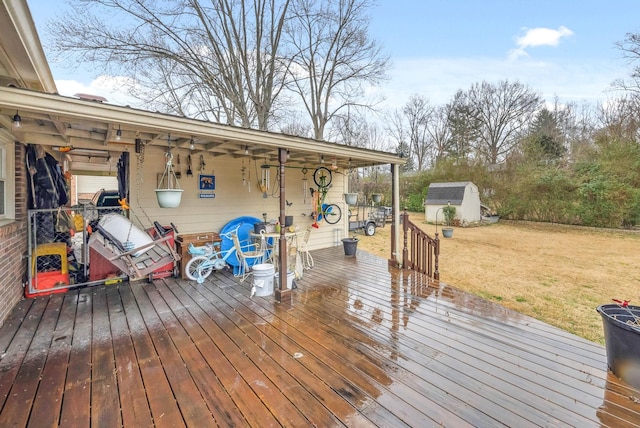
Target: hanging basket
[169,193]
[351,198]
[376,197]
[169,198]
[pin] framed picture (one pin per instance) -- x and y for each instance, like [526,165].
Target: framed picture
[207,182]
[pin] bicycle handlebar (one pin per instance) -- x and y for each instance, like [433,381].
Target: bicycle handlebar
[231,232]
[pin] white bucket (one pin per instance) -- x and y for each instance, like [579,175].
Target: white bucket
[290,277]
[263,278]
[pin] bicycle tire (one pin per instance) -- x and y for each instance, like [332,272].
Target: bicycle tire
[318,174]
[332,213]
[193,267]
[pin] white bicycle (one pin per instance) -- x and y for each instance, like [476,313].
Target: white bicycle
[207,259]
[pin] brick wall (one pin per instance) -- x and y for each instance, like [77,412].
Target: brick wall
[13,243]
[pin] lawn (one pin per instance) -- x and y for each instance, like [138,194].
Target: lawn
[555,273]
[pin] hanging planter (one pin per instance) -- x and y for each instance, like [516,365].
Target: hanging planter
[447,232]
[376,198]
[351,198]
[169,193]
[169,198]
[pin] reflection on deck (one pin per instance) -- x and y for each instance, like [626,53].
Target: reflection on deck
[361,345]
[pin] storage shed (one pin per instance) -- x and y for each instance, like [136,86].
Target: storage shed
[464,196]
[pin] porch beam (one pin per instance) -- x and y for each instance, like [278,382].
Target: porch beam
[282,293]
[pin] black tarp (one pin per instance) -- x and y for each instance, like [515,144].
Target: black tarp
[123,175]
[48,189]
[46,181]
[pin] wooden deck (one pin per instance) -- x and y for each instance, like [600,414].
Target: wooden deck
[361,345]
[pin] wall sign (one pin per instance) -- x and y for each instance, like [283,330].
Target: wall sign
[207,182]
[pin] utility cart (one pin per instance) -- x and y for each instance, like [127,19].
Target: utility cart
[366,218]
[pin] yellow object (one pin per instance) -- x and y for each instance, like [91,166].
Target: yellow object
[123,203]
[78,223]
[51,249]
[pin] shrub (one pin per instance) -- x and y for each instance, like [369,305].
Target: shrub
[449,215]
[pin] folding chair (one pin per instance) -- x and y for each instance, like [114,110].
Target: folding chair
[248,255]
[305,255]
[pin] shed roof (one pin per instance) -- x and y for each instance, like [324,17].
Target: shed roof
[443,193]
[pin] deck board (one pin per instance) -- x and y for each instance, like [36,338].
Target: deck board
[23,392]
[360,345]
[48,401]
[129,378]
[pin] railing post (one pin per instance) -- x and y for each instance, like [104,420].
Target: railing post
[405,228]
[436,254]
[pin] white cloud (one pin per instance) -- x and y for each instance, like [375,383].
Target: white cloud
[109,87]
[534,37]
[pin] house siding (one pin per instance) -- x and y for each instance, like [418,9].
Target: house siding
[13,242]
[232,198]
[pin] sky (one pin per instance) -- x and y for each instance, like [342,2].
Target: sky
[561,49]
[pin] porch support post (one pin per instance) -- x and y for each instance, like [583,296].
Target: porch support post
[282,294]
[395,259]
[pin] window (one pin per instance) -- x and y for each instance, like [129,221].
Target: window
[7,182]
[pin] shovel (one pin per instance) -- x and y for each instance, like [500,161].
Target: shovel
[189,172]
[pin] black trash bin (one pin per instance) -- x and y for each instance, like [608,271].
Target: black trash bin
[622,341]
[350,246]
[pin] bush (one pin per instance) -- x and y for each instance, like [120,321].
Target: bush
[449,215]
[414,202]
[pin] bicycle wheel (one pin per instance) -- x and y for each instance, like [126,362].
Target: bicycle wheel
[322,177]
[194,269]
[331,213]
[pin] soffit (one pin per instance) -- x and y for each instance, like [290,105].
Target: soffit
[57,121]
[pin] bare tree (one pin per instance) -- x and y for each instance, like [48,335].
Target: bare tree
[216,58]
[355,130]
[620,118]
[334,57]
[630,48]
[395,128]
[464,126]
[417,114]
[503,110]
[440,133]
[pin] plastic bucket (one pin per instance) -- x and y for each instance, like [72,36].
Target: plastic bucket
[350,246]
[290,277]
[263,278]
[622,342]
[288,220]
[259,227]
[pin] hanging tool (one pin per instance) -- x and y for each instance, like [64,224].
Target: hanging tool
[202,164]
[305,184]
[189,172]
[178,173]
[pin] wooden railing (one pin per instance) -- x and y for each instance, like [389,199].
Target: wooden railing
[419,252]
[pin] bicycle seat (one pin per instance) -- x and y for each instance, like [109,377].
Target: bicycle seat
[199,251]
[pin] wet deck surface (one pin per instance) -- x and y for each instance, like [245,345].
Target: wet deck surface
[361,345]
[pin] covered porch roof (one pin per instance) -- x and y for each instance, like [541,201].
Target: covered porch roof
[66,122]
